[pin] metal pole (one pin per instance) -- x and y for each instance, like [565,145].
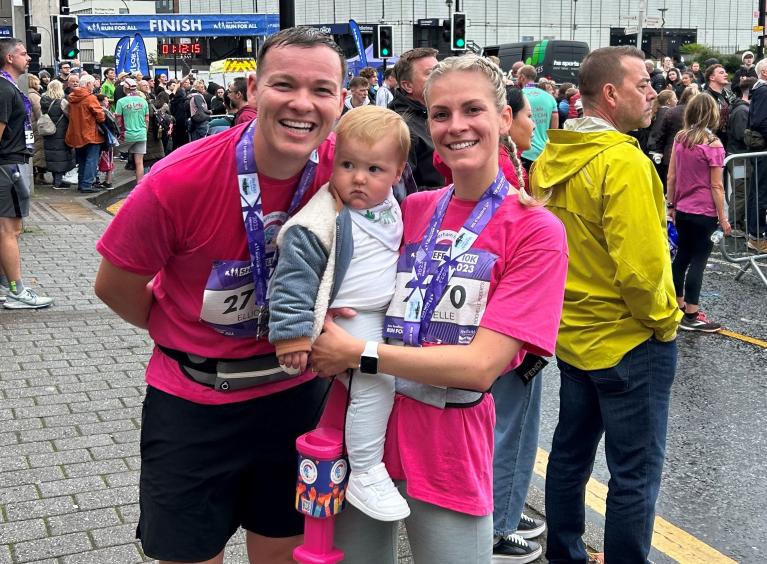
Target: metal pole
[760,45]
[640,22]
[287,14]
[575,24]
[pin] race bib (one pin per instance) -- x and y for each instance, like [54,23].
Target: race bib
[229,304]
[458,314]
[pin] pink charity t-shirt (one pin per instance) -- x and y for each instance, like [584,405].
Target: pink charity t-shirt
[512,282]
[184,215]
[693,178]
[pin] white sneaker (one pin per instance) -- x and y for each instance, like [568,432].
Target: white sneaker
[28,299]
[374,493]
[4,291]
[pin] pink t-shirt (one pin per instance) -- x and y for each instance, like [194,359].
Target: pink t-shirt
[693,178]
[181,218]
[516,287]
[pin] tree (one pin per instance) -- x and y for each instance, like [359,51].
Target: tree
[696,52]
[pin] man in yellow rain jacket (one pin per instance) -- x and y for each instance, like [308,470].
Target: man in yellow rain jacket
[616,350]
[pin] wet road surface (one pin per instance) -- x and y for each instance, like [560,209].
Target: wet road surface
[715,477]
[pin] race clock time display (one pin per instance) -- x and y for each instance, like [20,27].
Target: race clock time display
[180,48]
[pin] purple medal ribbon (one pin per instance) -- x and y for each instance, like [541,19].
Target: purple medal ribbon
[424,297]
[27,105]
[252,206]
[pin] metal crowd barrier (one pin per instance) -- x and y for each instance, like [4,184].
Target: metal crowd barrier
[742,176]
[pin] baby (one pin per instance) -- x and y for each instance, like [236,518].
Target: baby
[341,250]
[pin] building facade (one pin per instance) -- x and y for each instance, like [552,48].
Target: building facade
[723,24]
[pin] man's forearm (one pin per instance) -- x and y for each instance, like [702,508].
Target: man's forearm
[132,308]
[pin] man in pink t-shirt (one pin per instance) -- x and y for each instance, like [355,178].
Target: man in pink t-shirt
[189,257]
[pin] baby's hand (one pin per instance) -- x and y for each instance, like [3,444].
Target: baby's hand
[294,360]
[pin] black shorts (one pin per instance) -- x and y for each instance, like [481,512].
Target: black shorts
[14,191]
[208,469]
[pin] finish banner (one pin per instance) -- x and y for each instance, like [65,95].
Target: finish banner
[177,25]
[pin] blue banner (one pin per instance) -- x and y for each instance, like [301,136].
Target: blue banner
[6,31]
[122,55]
[177,25]
[355,31]
[138,58]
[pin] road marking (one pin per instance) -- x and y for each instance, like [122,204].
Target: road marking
[744,338]
[667,538]
[114,208]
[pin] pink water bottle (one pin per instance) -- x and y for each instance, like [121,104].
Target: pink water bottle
[323,473]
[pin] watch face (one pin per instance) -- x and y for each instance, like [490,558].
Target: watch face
[369,365]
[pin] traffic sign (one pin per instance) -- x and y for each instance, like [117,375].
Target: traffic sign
[654,22]
[631,30]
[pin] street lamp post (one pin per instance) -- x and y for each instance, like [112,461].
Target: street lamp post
[575,25]
[663,30]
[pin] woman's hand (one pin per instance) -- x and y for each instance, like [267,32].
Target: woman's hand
[335,351]
[726,227]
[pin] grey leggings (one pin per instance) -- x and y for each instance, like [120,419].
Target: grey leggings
[436,535]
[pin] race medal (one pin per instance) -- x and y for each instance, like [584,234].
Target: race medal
[430,276]
[235,302]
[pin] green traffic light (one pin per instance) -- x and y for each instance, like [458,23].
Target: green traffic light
[460,43]
[71,54]
[384,51]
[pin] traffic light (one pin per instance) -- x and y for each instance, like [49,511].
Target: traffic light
[33,48]
[446,26]
[64,7]
[68,40]
[458,32]
[383,42]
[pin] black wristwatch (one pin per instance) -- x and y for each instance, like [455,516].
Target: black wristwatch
[669,206]
[369,358]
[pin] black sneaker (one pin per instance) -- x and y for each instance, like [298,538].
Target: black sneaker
[699,322]
[529,528]
[515,549]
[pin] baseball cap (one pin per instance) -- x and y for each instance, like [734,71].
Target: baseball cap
[130,83]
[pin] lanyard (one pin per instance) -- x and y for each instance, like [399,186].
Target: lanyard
[426,293]
[27,107]
[249,188]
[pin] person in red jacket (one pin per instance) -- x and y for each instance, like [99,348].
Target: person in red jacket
[238,100]
[85,113]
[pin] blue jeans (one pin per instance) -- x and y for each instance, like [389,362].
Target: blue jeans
[629,404]
[517,419]
[87,163]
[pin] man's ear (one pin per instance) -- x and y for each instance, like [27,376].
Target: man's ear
[252,89]
[610,95]
[407,86]
[341,101]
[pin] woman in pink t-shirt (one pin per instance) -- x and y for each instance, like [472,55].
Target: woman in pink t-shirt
[696,204]
[480,282]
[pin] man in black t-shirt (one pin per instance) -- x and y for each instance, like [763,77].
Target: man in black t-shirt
[16,144]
